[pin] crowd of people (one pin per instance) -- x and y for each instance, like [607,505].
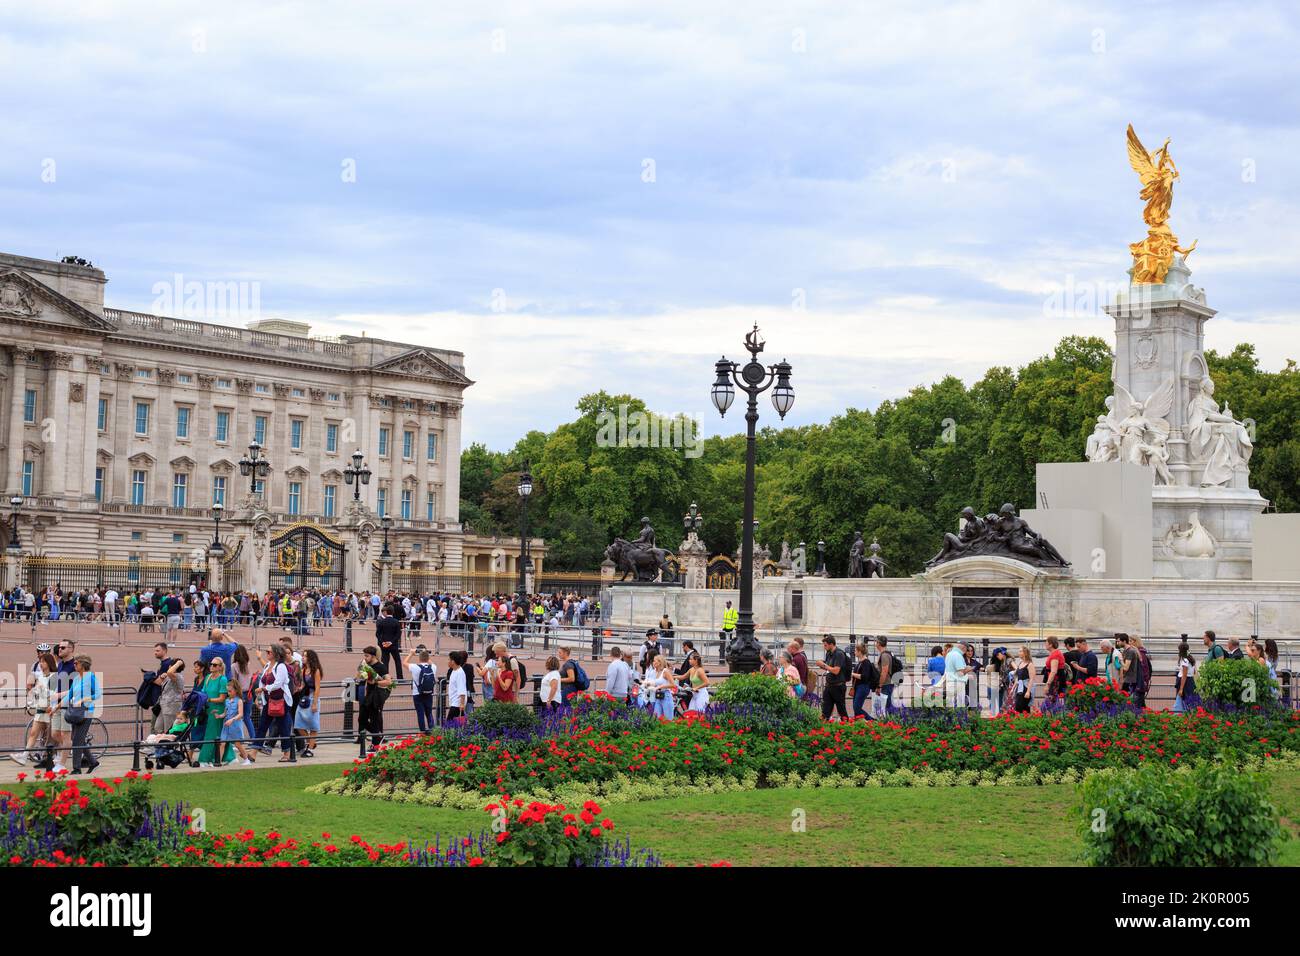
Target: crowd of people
[195,607]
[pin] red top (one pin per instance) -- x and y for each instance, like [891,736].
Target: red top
[504,684]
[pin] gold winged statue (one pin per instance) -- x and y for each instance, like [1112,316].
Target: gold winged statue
[1154,254]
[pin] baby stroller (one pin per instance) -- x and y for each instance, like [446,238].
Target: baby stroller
[172,753]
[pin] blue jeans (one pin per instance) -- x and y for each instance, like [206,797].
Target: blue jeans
[423,711]
[279,727]
[887,692]
[861,695]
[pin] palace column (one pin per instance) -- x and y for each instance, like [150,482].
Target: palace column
[17,429]
[85,473]
[450,455]
[54,480]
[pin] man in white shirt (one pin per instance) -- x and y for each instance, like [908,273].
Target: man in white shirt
[110,607]
[618,679]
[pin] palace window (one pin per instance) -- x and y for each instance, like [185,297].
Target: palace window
[331,437]
[182,421]
[219,490]
[259,429]
[430,505]
[299,393]
[102,421]
[331,492]
[180,489]
[223,426]
[29,406]
[406,504]
[137,487]
[99,484]
[295,497]
[184,378]
[408,444]
[262,389]
[295,434]
[431,447]
[383,443]
[381,502]
[29,475]
[142,418]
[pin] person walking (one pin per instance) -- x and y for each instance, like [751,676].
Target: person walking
[306,715]
[505,678]
[1024,696]
[698,679]
[424,682]
[274,691]
[374,674]
[81,705]
[835,665]
[618,677]
[215,687]
[1185,680]
[864,683]
[232,726]
[887,668]
[458,691]
[38,705]
[549,692]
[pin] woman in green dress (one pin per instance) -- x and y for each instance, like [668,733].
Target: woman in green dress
[214,686]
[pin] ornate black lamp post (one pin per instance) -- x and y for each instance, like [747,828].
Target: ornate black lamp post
[744,654]
[254,465]
[216,549]
[525,492]
[821,557]
[693,520]
[387,522]
[357,474]
[15,547]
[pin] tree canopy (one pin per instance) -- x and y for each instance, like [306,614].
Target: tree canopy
[899,474]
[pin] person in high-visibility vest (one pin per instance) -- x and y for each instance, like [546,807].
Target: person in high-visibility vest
[729,618]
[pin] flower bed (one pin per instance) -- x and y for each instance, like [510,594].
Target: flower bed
[56,823]
[723,748]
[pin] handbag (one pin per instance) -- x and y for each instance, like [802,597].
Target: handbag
[275,706]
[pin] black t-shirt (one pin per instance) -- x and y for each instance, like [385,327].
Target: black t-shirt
[381,693]
[865,672]
[1089,662]
[837,658]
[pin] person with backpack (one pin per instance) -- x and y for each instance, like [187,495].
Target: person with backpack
[170,687]
[836,667]
[1213,651]
[1184,679]
[424,683]
[889,673]
[1145,670]
[1054,671]
[573,679]
[1130,669]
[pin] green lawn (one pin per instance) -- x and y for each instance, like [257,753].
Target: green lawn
[956,826]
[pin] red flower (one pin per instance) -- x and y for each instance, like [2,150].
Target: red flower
[476,861]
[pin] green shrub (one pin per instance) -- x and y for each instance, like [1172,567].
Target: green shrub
[756,689]
[496,716]
[1207,816]
[1243,683]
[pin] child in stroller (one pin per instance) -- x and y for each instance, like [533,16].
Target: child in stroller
[172,748]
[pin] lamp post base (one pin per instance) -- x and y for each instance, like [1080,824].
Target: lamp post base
[744,653]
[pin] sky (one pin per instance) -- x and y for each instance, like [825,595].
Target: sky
[585,196]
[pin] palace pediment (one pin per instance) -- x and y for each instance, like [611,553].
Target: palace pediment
[421,363]
[24,299]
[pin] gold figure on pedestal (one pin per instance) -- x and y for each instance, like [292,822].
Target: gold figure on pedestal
[1154,254]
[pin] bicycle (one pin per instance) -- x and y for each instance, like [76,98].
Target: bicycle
[97,739]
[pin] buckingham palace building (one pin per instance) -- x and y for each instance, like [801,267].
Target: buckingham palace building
[147,449]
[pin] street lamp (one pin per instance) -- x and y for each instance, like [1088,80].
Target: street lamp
[525,492]
[821,557]
[357,475]
[254,465]
[693,520]
[744,655]
[217,549]
[15,548]
[387,522]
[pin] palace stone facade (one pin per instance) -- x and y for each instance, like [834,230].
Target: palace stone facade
[121,429]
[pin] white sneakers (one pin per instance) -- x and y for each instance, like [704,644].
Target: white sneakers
[20,757]
[246,762]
